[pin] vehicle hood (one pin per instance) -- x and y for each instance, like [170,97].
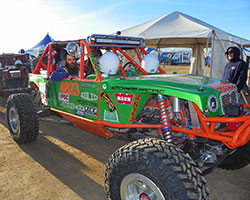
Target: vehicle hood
[193,88]
[183,82]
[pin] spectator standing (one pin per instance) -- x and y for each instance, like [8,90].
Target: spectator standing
[236,70]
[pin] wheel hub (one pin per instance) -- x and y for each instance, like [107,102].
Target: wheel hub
[144,196]
[137,185]
[14,121]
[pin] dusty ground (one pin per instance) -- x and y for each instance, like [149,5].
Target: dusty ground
[67,163]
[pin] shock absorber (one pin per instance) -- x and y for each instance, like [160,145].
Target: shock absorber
[164,105]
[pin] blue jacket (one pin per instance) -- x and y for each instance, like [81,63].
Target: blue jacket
[59,74]
[236,70]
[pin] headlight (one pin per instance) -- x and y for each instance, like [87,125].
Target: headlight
[213,103]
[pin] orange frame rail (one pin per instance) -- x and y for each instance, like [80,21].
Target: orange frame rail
[232,139]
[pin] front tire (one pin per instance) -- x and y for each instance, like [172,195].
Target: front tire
[22,118]
[153,169]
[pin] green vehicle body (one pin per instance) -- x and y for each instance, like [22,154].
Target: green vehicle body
[193,88]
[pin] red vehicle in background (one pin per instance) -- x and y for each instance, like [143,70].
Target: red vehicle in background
[14,69]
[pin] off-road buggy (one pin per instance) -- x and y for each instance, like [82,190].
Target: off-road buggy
[13,79]
[182,126]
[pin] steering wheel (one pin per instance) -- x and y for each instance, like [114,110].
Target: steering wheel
[129,66]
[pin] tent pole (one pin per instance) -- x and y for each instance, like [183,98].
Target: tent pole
[204,67]
[212,50]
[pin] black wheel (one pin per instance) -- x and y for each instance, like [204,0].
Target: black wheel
[240,158]
[152,169]
[22,118]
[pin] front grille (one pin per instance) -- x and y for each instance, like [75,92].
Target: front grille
[15,74]
[228,98]
[15,83]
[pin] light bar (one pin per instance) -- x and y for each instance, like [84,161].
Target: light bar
[116,41]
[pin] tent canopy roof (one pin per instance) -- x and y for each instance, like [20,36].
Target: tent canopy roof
[179,30]
[47,39]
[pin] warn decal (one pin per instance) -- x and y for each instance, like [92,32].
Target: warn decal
[125,99]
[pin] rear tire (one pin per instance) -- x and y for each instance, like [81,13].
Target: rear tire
[240,158]
[153,169]
[22,118]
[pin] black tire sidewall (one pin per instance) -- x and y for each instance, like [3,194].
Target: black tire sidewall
[169,174]
[12,132]
[28,118]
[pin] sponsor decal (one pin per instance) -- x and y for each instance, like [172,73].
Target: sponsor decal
[68,105]
[222,86]
[104,86]
[110,116]
[71,88]
[79,113]
[44,99]
[134,107]
[63,97]
[108,101]
[80,107]
[88,85]
[42,87]
[84,102]
[89,96]
[137,89]
[124,98]
[90,111]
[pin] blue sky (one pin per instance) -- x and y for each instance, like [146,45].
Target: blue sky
[24,23]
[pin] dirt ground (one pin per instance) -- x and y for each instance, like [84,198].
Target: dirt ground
[67,163]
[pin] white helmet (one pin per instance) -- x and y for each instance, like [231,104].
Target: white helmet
[109,63]
[150,63]
[18,62]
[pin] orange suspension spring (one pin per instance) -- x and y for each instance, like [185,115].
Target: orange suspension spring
[164,106]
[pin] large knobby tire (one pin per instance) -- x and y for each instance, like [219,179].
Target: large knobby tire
[22,118]
[240,158]
[153,169]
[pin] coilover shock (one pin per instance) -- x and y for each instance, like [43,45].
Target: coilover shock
[164,105]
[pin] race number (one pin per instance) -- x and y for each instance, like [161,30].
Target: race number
[70,88]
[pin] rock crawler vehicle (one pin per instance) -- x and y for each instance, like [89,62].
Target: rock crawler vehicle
[182,126]
[13,79]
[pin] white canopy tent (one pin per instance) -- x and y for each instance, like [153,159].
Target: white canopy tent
[180,30]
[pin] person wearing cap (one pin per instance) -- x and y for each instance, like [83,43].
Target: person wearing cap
[18,63]
[69,70]
[236,70]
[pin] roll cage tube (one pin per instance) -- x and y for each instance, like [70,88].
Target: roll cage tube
[40,63]
[99,41]
[120,65]
[83,44]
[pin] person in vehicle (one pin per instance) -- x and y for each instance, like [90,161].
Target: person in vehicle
[236,70]
[69,70]
[18,63]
